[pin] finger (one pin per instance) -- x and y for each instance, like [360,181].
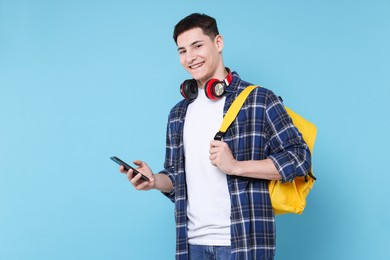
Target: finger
[136,180]
[215,143]
[122,169]
[141,185]
[139,163]
[130,175]
[213,162]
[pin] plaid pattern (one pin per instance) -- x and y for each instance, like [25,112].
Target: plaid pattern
[261,130]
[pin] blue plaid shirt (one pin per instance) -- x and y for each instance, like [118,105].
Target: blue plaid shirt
[261,130]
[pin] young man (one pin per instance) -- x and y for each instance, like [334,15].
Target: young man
[220,188]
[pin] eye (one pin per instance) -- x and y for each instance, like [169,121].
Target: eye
[181,52]
[198,46]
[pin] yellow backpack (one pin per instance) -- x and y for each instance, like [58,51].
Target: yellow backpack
[286,197]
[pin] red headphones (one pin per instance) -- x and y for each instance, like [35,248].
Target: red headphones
[214,88]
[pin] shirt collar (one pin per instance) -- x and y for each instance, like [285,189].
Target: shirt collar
[233,86]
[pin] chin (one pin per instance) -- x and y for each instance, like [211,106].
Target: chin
[199,76]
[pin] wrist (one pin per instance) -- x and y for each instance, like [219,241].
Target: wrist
[236,168]
[162,183]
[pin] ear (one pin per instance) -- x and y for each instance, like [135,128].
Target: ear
[218,41]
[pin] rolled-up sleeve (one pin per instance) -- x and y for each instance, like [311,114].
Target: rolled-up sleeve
[169,159]
[170,195]
[288,150]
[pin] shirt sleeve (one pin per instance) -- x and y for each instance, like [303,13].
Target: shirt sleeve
[170,158]
[288,151]
[170,195]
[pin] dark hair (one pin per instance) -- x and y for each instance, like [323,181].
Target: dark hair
[207,23]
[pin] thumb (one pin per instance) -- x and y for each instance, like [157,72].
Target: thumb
[214,143]
[139,163]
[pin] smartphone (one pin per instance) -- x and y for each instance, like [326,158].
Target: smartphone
[127,167]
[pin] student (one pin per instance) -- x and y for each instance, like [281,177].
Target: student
[220,188]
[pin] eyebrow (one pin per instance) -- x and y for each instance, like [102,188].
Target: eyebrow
[192,44]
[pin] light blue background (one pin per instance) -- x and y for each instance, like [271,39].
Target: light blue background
[81,81]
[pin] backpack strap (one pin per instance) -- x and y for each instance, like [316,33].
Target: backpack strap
[232,112]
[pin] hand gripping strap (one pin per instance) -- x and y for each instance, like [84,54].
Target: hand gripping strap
[233,111]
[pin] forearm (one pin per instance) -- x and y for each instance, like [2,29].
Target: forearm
[163,183]
[259,169]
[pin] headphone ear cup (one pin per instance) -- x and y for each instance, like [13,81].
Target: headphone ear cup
[189,89]
[214,89]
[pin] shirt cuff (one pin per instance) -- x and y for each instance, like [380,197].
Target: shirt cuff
[285,165]
[170,195]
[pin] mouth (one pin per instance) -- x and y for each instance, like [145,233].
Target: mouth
[197,65]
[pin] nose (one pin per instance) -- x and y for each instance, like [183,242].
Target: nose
[190,56]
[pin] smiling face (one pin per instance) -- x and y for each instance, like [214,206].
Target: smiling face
[201,56]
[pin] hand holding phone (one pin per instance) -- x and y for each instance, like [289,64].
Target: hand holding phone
[127,167]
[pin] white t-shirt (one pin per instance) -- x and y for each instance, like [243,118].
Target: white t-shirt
[208,204]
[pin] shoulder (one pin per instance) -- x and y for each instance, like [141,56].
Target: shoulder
[259,92]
